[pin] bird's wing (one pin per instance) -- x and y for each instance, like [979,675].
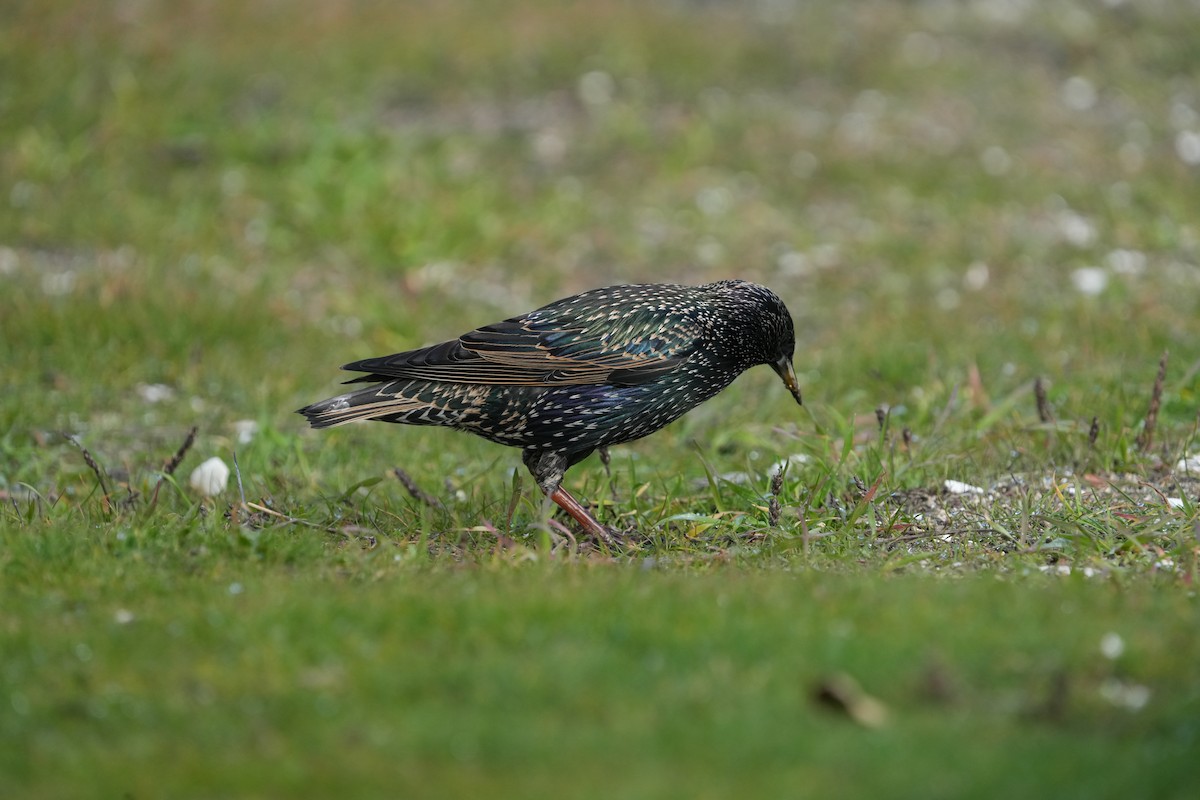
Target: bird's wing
[551,347]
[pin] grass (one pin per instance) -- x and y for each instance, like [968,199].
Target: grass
[209,206]
[539,682]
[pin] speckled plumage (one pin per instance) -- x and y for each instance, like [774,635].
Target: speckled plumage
[600,368]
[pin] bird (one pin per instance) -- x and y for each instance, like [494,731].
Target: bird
[600,368]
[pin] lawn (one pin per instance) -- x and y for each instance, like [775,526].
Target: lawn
[982,216]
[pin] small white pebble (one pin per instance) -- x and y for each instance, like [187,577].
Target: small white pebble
[123,616]
[1089,280]
[236,588]
[1182,115]
[1130,696]
[947,298]
[795,459]
[549,146]
[8,261]
[596,88]
[1112,645]
[210,478]
[57,284]
[1056,569]
[714,201]
[1175,502]
[794,264]
[1078,93]
[155,392]
[1187,147]
[1126,262]
[958,487]
[1189,464]
[976,276]
[245,430]
[1076,229]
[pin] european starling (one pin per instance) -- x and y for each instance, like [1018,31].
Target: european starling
[601,368]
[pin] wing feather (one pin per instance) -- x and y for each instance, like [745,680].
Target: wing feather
[565,343]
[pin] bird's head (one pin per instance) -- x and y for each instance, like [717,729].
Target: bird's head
[759,329]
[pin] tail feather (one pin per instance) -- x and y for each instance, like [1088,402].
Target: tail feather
[353,406]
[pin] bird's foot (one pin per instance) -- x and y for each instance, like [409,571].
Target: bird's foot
[612,537]
[609,536]
[605,459]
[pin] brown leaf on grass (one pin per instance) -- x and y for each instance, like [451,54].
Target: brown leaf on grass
[938,682]
[979,395]
[840,692]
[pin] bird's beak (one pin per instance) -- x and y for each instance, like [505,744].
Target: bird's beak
[784,369]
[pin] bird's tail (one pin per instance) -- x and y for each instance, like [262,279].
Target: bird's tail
[369,403]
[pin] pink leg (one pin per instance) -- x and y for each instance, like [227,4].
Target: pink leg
[580,514]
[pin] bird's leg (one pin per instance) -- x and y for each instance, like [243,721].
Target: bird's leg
[605,459]
[581,515]
[548,468]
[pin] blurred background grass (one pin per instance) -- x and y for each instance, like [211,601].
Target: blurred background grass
[208,206]
[231,198]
